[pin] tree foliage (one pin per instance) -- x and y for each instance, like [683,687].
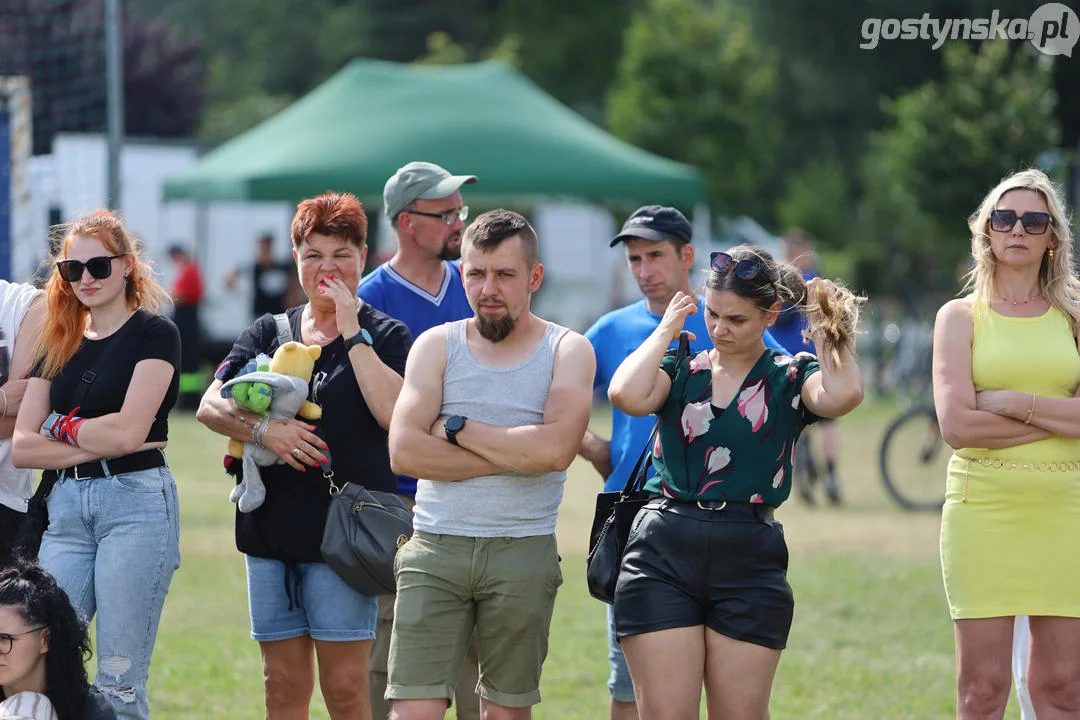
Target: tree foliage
[60,45]
[879,153]
[946,144]
[695,86]
[816,199]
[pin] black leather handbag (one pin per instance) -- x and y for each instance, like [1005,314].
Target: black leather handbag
[615,513]
[364,529]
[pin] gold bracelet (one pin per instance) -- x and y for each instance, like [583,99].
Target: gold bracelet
[1027,421]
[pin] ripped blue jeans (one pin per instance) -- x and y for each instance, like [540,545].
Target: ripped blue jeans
[113,544]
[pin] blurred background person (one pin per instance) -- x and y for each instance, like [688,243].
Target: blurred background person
[273,283]
[187,295]
[22,309]
[1006,375]
[421,286]
[302,612]
[113,537]
[788,331]
[43,647]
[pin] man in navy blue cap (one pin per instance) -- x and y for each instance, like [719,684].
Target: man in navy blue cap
[657,241]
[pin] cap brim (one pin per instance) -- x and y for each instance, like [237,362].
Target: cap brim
[447,186]
[642,233]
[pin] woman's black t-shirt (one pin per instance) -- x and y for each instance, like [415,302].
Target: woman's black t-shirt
[145,336]
[289,524]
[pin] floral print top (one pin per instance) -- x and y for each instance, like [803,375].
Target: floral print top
[741,453]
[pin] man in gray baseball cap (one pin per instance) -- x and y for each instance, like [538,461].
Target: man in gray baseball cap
[420,180]
[420,286]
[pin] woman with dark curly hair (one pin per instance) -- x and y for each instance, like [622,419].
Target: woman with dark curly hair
[43,645]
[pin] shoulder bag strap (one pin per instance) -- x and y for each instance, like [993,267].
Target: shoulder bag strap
[639,474]
[90,375]
[284,329]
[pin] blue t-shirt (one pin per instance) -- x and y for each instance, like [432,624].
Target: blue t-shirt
[387,291]
[614,336]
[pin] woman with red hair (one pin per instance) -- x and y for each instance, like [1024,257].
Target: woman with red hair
[300,609]
[95,414]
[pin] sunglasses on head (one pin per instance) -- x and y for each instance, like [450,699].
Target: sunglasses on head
[100,267]
[1035,223]
[747,269]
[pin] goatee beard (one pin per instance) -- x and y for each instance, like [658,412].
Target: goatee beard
[451,253]
[494,330]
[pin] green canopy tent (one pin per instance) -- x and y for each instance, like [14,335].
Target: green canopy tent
[486,119]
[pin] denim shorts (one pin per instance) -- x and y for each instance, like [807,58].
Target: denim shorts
[619,684]
[328,609]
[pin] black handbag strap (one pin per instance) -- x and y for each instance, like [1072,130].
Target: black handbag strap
[49,477]
[90,375]
[638,476]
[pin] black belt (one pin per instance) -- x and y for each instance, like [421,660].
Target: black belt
[132,462]
[717,510]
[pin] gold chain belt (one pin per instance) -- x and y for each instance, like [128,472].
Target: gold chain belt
[1070,466]
[996,463]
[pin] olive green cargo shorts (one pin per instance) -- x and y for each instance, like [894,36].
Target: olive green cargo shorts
[449,584]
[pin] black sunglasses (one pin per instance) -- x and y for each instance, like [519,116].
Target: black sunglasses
[100,267]
[747,269]
[1035,223]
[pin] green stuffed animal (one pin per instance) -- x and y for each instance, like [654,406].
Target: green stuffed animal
[254,396]
[287,379]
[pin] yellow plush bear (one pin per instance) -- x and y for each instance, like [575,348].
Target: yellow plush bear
[290,372]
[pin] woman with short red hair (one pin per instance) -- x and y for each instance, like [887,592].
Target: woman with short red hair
[300,609]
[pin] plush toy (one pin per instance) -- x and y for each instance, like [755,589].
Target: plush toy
[287,378]
[253,396]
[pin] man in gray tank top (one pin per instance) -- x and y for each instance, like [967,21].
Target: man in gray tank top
[491,414]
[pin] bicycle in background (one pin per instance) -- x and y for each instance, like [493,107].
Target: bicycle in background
[914,456]
[914,459]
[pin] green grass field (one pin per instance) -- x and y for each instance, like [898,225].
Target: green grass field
[872,637]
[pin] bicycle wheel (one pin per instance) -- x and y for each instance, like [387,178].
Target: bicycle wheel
[914,460]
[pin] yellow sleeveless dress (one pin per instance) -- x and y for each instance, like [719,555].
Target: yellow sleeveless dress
[1010,528]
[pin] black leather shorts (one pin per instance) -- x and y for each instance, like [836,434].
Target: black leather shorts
[686,566]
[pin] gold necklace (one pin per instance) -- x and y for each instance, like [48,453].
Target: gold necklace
[1014,303]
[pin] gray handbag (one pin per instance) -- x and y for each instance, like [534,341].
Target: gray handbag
[364,529]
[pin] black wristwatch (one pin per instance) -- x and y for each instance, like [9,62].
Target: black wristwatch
[361,338]
[453,426]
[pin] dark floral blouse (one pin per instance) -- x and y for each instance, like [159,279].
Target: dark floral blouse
[741,453]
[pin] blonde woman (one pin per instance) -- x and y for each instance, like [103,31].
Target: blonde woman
[1006,374]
